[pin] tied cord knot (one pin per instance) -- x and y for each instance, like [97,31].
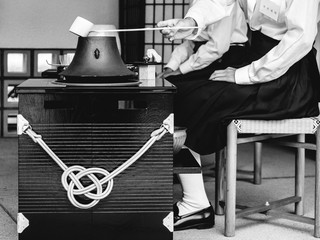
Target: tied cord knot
[75,186]
[166,126]
[157,134]
[35,137]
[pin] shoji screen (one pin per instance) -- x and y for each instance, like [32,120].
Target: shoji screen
[158,10]
[147,13]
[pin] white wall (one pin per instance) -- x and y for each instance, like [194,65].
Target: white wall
[45,23]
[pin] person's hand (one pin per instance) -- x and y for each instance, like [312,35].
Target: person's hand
[226,75]
[169,72]
[165,73]
[176,33]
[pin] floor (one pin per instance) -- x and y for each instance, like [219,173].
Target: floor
[278,182]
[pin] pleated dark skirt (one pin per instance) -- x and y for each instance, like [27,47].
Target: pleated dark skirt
[206,107]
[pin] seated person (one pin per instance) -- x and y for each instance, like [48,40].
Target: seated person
[278,79]
[214,41]
[225,45]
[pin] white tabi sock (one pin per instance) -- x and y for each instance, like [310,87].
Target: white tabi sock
[194,194]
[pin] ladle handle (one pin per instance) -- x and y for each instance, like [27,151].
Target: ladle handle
[141,29]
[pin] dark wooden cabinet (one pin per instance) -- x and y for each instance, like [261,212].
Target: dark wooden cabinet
[96,127]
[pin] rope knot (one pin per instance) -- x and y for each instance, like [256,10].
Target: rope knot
[95,191]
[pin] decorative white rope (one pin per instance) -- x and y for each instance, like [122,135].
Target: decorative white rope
[75,173]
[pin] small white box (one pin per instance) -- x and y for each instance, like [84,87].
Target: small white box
[147,72]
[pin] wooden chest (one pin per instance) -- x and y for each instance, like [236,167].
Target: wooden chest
[96,127]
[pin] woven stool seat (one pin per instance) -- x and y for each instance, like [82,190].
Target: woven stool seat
[286,126]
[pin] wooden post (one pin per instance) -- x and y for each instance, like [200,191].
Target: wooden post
[219,191]
[257,166]
[300,175]
[231,177]
[317,188]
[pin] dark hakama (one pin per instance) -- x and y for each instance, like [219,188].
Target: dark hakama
[206,107]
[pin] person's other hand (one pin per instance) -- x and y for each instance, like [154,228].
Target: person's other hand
[169,72]
[176,33]
[226,75]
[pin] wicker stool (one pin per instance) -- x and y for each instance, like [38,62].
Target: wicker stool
[263,131]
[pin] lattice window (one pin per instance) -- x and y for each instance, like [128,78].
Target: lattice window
[158,10]
[147,13]
[17,65]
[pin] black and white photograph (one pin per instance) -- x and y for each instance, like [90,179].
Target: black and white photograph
[159,119]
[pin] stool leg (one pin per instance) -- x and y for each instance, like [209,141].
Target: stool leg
[257,163]
[219,196]
[300,175]
[317,188]
[231,172]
